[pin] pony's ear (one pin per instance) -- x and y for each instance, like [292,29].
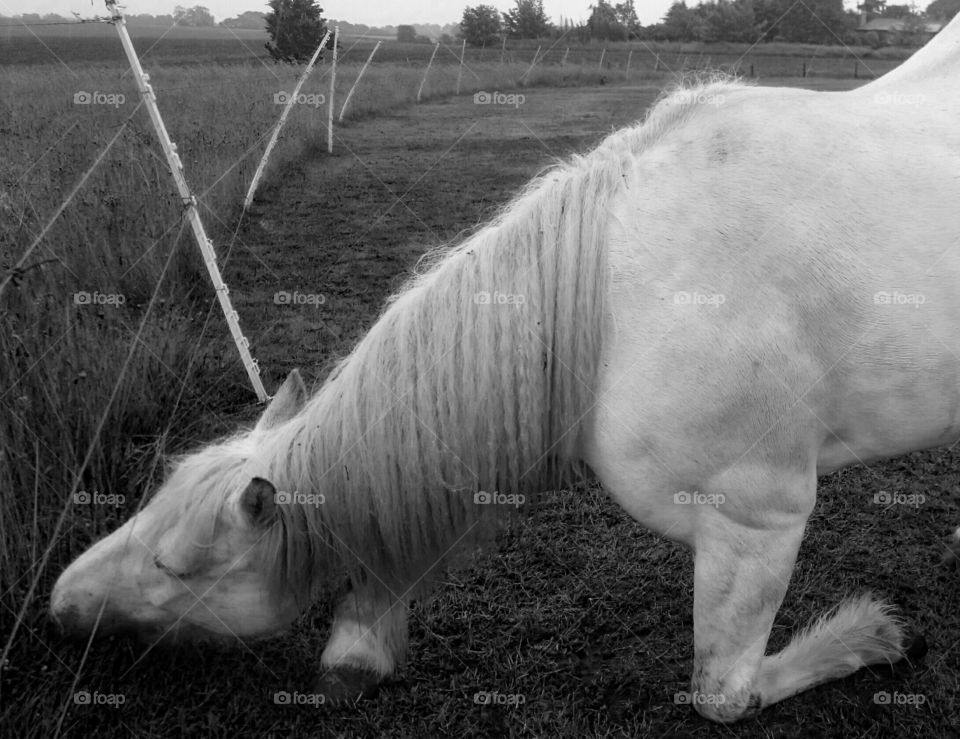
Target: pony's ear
[288,401]
[258,503]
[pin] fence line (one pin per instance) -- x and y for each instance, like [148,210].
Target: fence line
[333,82]
[190,201]
[248,200]
[427,71]
[356,82]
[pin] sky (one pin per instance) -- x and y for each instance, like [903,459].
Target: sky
[370,12]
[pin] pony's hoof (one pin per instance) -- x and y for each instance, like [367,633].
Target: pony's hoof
[342,686]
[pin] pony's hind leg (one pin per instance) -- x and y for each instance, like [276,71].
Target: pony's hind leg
[368,641]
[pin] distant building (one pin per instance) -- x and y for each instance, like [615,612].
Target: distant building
[894,30]
[890,30]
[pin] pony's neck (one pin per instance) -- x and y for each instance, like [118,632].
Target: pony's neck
[475,378]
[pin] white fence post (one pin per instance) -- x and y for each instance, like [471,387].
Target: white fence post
[283,119]
[429,64]
[463,52]
[532,64]
[189,200]
[333,82]
[357,81]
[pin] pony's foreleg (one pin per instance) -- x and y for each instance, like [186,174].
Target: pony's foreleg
[367,643]
[742,567]
[740,578]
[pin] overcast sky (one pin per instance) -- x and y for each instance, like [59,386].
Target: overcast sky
[371,12]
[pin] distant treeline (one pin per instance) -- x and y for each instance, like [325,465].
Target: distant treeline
[199,16]
[749,21]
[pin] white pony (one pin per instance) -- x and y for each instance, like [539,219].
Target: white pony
[749,289]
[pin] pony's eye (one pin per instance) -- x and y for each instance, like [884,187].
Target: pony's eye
[168,571]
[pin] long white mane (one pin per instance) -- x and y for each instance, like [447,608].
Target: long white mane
[477,377]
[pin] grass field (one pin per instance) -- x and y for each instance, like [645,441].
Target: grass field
[582,612]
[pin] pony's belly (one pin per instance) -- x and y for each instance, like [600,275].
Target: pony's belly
[888,422]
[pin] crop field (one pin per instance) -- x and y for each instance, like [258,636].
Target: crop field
[580,611]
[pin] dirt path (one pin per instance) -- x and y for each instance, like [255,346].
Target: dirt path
[351,225]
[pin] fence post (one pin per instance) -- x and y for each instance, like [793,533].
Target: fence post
[503,48]
[283,118]
[357,81]
[856,70]
[530,69]
[333,81]
[751,69]
[189,200]
[602,55]
[463,51]
[656,64]
[427,71]
[626,72]
[564,62]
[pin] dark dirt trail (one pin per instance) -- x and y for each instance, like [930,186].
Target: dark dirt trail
[350,226]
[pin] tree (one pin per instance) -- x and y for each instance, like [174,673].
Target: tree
[406,34]
[250,19]
[681,23]
[197,16]
[627,15]
[943,10]
[296,28]
[527,20]
[604,24]
[809,22]
[730,20]
[898,11]
[481,25]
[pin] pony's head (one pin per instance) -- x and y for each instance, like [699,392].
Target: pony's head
[200,560]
